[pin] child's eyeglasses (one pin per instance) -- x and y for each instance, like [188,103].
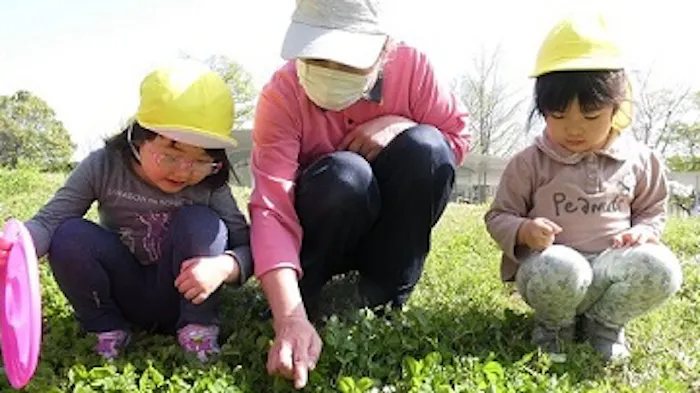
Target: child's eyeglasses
[171,163]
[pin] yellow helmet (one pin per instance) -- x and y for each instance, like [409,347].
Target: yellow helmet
[582,42]
[189,103]
[579,42]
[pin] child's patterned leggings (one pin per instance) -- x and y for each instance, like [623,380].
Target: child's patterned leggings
[612,287]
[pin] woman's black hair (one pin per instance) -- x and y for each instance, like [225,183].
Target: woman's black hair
[555,91]
[120,144]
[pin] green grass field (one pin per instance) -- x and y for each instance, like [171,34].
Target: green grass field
[463,331]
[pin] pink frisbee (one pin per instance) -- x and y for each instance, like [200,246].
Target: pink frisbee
[20,299]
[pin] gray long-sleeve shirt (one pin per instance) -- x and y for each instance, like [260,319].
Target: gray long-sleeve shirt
[138,212]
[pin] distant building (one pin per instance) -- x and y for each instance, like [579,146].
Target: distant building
[478,177]
[688,178]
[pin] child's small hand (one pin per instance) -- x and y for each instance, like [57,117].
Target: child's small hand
[633,237]
[200,277]
[5,246]
[538,233]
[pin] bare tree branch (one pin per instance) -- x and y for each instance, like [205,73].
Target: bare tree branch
[657,110]
[492,106]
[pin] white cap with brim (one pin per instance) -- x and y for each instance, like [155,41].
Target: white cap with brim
[354,49]
[350,32]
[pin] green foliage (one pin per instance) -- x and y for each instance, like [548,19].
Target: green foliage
[30,134]
[684,163]
[241,83]
[685,137]
[462,331]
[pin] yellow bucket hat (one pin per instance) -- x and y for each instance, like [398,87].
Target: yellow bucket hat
[189,103]
[582,42]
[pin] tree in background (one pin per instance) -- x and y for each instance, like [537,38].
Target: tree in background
[658,113]
[30,134]
[241,83]
[492,106]
[686,140]
[494,111]
[244,96]
[683,155]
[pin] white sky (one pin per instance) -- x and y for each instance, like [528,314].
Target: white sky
[87,57]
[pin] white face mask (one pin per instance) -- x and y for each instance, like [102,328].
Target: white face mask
[333,89]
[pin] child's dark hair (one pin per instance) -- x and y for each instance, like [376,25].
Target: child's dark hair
[120,144]
[555,91]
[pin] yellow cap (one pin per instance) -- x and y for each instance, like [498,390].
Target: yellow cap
[189,103]
[579,42]
[582,42]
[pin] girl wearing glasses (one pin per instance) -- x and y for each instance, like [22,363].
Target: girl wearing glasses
[170,232]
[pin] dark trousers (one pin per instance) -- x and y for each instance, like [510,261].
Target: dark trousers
[110,289]
[375,218]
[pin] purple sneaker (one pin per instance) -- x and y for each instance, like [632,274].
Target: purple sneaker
[200,340]
[110,343]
